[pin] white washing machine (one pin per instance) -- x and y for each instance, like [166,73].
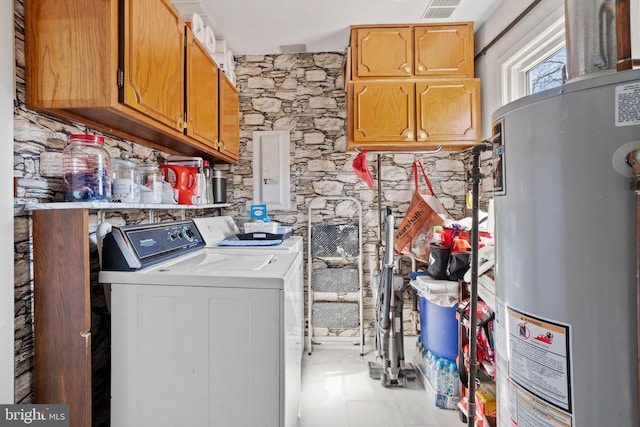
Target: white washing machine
[220,231]
[198,335]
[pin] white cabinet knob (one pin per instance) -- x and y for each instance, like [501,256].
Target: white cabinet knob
[409,136]
[422,135]
[408,70]
[420,67]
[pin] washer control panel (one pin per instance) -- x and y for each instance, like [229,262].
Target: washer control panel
[134,247]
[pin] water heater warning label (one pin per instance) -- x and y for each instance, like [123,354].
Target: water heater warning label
[628,104]
[539,358]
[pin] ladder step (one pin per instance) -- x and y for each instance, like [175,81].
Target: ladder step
[335,280]
[334,241]
[336,315]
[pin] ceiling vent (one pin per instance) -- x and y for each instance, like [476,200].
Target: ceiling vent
[293,48]
[440,9]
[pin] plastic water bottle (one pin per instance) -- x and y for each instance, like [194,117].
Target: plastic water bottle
[433,370]
[426,358]
[442,374]
[452,380]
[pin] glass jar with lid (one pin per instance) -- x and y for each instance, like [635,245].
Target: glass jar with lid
[151,178]
[125,180]
[86,169]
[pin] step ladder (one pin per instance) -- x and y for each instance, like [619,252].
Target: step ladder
[334,267]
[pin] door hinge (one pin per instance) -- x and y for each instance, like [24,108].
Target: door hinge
[120,78]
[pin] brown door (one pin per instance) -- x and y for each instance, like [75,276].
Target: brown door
[448,111]
[202,93]
[383,112]
[384,52]
[153,61]
[229,119]
[444,50]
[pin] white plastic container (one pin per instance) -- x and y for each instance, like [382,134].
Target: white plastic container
[151,179]
[125,181]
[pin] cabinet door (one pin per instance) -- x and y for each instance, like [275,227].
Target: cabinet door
[62,311]
[383,52]
[202,93]
[229,119]
[448,112]
[70,53]
[153,61]
[444,50]
[382,112]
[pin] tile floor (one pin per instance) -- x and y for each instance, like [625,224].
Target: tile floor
[338,392]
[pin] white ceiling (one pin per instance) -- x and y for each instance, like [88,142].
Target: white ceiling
[262,26]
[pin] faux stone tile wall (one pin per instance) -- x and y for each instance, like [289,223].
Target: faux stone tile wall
[304,94]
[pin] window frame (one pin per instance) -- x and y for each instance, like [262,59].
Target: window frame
[514,70]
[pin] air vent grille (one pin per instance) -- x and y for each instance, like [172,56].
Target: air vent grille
[444,3]
[440,9]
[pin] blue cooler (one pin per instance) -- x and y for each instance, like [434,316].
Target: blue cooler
[442,329]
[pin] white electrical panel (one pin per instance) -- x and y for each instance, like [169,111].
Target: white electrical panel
[271,173]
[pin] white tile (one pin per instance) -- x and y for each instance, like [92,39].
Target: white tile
[360,386]
[417,413]
[327,391]
[337,391]
[334,415]
[374,414]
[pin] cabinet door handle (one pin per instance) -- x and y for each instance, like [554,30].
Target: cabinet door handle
[422,136]
[409,136]
[420,67]
[407,70]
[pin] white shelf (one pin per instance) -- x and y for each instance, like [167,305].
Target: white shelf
[30,206]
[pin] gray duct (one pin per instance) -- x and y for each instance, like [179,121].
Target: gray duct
[591,36]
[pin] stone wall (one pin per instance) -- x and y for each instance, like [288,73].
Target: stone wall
[304,94]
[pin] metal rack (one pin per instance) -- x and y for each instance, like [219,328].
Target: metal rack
[335,294]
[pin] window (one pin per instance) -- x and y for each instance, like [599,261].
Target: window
[535,66]
[548,73]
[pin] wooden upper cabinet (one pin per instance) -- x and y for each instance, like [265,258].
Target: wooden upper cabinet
[381,112]
[153,60]
[69,51]
[411,115]
[411,87]
[401,51]
[229,113]
[383,52]
[117,66]
[444,50]
[202,85]
[447,112]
